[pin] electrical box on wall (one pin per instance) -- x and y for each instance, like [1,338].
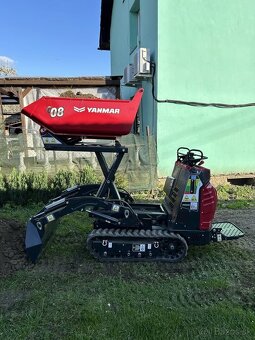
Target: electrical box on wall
[128,77]
[142,67]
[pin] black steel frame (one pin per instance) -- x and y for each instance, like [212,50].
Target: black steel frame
[108,171]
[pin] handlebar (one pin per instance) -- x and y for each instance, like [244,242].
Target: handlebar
[190,157]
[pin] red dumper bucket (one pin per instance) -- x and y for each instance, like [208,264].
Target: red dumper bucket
[85,117]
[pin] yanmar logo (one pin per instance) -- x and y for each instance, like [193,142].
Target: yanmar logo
[97,110]
[79,109]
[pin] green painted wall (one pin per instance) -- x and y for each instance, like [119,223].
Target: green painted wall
[120,50]
[206,53]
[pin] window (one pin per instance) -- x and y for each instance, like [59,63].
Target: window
[134,25]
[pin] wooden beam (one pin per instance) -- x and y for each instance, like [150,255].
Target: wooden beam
[7,92]
[23,122]
[24,93]
[60,82]
[1,108]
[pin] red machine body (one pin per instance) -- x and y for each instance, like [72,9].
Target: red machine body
[191,199]
[85,117]
[208,204]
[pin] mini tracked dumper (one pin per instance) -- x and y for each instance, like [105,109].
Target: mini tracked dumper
[124,230]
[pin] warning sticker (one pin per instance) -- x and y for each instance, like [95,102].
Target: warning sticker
[142,247]
[50,218]
[191,193]
[192,185]
[193,206]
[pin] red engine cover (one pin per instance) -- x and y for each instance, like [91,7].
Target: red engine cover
[85,117]
[208,202]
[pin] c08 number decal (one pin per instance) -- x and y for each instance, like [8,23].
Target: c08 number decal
[55,111]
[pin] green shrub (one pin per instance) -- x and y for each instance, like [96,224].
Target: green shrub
[233,192]
[88,175]
[121,180]
[21,188]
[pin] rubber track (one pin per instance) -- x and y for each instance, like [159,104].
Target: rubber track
[136,234]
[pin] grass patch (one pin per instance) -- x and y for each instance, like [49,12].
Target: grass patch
[69,306]
[69,295]
[229,196]
[236,197]
[22,214]
[236,204]
[236,192]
